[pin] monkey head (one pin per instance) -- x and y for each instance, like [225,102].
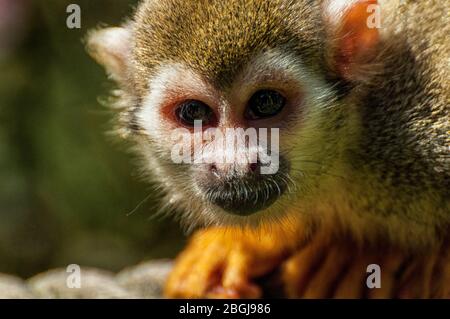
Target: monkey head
[220,72]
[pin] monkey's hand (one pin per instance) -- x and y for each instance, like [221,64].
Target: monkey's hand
[221,263]
[339,270]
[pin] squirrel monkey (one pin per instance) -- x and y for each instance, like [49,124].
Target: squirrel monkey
[357,93]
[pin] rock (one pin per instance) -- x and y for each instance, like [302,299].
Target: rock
[13,288]
[146,279]
[94,284]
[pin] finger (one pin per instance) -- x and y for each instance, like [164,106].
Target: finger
[183,265]
[237,275]
[219,292]
[195,271]
[205,272]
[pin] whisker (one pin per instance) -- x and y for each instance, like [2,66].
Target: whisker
[140,204]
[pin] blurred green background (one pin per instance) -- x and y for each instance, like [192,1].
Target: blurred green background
[66,188]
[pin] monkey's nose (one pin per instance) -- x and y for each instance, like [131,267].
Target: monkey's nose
[254,167]
[226,170]
[240,188]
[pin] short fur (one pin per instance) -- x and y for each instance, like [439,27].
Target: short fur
[371,157]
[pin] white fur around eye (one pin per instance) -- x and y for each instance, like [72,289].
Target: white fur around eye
[284,67]
[150,117]
[171,82]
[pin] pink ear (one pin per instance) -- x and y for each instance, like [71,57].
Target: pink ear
[111,47]
[351,23]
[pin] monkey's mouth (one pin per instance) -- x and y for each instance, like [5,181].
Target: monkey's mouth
[246,196]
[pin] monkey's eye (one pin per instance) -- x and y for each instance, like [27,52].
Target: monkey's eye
[193,110]
[264,104]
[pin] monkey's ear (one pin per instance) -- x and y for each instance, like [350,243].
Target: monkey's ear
[111,48]
[354,29]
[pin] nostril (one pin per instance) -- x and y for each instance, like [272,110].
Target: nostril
[213,169]
[253,167]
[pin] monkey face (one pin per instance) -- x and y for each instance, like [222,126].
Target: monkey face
[233,165]
[227,140]
[192,71]
[239,151]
